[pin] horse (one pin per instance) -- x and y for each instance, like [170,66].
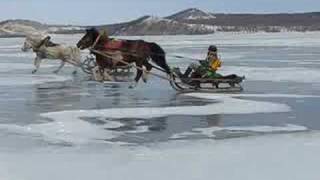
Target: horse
[120,51]
[46,49]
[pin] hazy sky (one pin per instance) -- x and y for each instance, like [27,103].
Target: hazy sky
[90,12]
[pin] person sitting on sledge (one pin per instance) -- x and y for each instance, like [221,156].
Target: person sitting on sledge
[206,68]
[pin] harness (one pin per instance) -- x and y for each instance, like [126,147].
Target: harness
[114,44]
[95,42]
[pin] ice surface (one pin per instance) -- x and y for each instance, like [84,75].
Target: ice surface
[5,67]
[63,127]
[211,95]
[73,147]
[18,55]
[288,74]
[276,157]
[20,80]
[11,47]
[235,39]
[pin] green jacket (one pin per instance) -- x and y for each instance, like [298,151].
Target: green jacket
[206,71]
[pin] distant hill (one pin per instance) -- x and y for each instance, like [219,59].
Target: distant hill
[259,22]
[19,27]
[189,22]
[150,25]
[195,21]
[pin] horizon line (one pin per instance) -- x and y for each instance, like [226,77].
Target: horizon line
[132,19]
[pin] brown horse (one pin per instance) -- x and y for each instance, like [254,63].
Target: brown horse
[129,51]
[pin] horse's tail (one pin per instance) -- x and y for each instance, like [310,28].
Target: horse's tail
[158,56]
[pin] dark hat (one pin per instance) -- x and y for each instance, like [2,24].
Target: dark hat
[213,48]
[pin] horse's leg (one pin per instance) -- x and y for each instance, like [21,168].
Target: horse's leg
[146,73]
[107,76]
[37,62]
[97,74]
[76,64]
[75,71]
[101,74]
[138,76]
[60,67]
[94,73]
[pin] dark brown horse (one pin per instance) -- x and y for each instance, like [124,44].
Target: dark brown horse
[132,51]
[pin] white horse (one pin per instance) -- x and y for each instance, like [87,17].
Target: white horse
[45,49]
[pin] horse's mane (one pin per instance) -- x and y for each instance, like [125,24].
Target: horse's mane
[104,34]
[35,36]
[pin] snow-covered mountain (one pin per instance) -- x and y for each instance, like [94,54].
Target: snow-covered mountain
[191,14]
[151,25]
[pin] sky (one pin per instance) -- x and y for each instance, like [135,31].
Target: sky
[96,12]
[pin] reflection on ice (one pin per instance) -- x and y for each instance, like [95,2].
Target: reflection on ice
[288,74]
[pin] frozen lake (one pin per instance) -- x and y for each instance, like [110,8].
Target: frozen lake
[65,127]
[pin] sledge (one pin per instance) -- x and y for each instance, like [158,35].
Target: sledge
[225,84]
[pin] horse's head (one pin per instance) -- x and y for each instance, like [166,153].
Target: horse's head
[31,42]
[88,39]
[27,45]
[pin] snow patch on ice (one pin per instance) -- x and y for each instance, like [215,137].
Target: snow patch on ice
[209,132]
[75,132]
[235,106]
[259,129]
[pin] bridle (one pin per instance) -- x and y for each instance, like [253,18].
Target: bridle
[95,42]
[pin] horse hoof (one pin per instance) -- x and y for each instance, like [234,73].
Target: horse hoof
[34,71]
[55,72]
[145,77]
[75,72]
[132,86]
